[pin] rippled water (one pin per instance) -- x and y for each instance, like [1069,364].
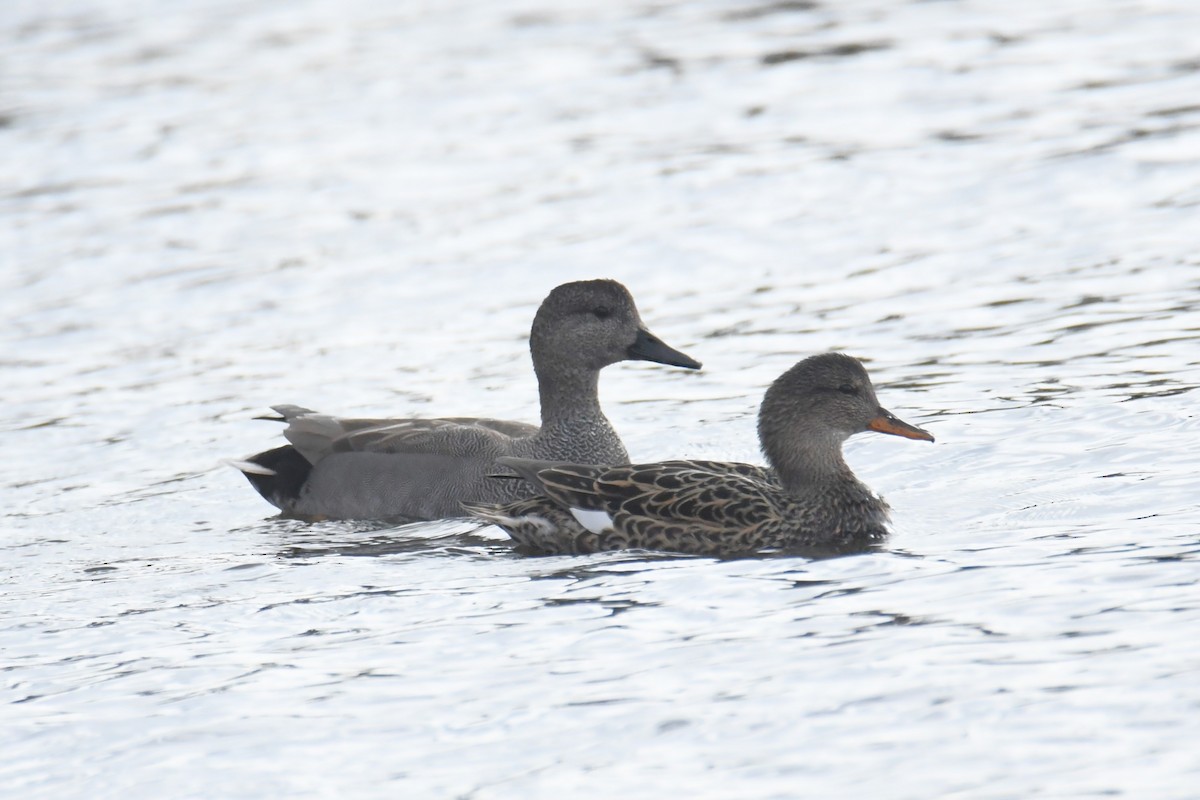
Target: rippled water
[208,207]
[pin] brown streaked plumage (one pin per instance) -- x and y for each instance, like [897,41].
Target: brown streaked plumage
[808,500]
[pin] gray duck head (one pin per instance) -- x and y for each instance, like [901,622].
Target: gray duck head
[590,324]
[810,410]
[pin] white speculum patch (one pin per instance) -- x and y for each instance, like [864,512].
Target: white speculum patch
[595,521]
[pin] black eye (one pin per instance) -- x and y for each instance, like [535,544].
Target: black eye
[846,388]
[602,312]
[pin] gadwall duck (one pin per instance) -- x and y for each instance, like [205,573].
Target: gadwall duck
[420,469]
[807,500]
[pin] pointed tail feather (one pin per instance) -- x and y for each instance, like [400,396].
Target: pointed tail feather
[247,466]
[286,413]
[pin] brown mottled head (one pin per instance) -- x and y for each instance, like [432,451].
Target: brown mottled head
[819,403]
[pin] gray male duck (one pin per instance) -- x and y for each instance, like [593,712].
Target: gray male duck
[808,500]
[420,469]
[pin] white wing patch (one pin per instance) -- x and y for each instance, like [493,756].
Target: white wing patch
[594,521]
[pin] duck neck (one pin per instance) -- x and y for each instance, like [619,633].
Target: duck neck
[573,426]
[570,398]
[808,463]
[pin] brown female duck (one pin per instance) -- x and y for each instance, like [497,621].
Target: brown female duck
[808,499]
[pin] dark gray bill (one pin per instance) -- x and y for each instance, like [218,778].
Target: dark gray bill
[648,347]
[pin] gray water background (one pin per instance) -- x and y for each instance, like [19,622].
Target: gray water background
[207,207]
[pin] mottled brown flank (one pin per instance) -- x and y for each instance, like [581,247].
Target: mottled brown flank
[696,507]
[538,526]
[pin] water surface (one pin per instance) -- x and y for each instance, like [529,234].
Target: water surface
[209,207]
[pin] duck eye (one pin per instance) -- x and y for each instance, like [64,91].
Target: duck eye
[846,388]
[602,312]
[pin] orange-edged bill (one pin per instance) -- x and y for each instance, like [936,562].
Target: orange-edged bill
[886,422]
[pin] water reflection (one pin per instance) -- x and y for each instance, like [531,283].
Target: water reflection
[372,539]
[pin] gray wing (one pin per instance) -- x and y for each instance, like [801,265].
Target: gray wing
[316,436]
[507,427]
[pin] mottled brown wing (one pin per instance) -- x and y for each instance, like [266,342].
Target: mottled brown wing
[753,471]
[572,485]
[712,495]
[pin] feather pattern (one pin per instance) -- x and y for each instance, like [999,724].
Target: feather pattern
[412,469]
[807,500]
